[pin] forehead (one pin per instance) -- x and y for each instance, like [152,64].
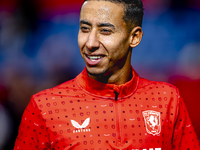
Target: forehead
[102,11]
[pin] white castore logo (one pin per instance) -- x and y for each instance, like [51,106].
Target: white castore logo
[81,128]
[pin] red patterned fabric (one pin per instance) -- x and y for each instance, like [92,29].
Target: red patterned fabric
[84,114]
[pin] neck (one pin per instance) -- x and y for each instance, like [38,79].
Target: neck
[119,77]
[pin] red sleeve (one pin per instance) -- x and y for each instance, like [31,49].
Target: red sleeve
[184,137]
[32,132]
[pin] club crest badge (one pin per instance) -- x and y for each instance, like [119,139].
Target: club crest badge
[152,122]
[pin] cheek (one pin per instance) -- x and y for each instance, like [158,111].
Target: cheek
[108,40]
[115,45]
[81,40]
[111,43]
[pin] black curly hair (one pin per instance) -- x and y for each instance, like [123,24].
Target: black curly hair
[133,12]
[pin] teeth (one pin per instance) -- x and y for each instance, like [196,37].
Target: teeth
[93,58]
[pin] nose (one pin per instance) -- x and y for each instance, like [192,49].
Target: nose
[92,41]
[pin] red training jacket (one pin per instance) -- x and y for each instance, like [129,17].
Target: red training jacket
[84,114]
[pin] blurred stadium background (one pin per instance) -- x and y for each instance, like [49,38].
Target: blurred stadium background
[38,50]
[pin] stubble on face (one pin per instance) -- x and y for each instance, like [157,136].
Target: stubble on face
[114,46]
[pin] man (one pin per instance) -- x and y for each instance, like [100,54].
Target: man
[108,106]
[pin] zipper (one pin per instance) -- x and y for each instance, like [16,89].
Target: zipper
[117,108]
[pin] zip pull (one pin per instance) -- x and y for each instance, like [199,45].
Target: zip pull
[117,91]
[116,95]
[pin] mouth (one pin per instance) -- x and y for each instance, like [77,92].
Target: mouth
[93,60]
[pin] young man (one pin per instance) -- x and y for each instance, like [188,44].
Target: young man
[108,106]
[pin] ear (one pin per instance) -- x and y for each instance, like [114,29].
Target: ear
[136,36]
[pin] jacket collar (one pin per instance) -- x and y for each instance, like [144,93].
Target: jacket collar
[108,90]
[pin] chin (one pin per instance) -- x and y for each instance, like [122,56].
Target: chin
[96,72]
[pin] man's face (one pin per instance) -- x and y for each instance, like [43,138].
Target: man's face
[103,38]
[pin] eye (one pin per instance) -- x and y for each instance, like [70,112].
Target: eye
[84,29]
[106,31]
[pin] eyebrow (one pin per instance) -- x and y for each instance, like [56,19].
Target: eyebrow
[99,24]
[106,25]
[85,22]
